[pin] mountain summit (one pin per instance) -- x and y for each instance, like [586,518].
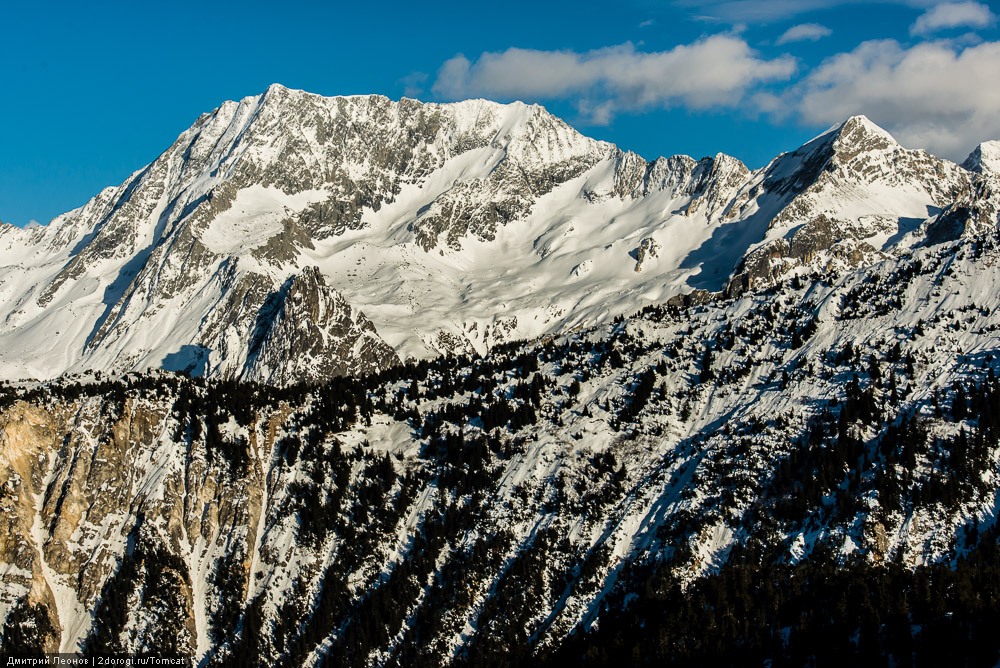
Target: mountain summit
[432,228]
[985,158]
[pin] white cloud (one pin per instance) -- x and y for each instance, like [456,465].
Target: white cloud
[763,11]
[953,15]
[936,95]
[804,32]
[414,84]
[716,71]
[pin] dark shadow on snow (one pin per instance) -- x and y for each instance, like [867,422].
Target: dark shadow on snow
[190,360]
[118,288]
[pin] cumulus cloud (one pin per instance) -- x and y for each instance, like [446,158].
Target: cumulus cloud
[953,15]
[804,32]
[716,71]
[936,95]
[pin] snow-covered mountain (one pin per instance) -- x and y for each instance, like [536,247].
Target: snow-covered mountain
[842,198]
[808,470]
[427,228]
[785,452]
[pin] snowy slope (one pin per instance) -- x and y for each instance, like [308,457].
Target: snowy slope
[448,227]
[448,509]
[842,199]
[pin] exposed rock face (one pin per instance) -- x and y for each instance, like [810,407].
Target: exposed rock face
[308,332]
[647,248]
[84,527]
[25,434]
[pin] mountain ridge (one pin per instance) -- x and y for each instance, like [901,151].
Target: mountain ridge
[451,227]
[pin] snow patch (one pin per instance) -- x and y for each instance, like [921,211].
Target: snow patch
[256,215]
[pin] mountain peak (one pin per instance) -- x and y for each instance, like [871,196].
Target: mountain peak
[985,158]
[276,92]
[842,143]
[862,121]
[859,134]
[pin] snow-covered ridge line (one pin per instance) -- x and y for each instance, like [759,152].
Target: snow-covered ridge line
[437,227]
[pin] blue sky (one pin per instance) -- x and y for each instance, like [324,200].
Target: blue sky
[93,91]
